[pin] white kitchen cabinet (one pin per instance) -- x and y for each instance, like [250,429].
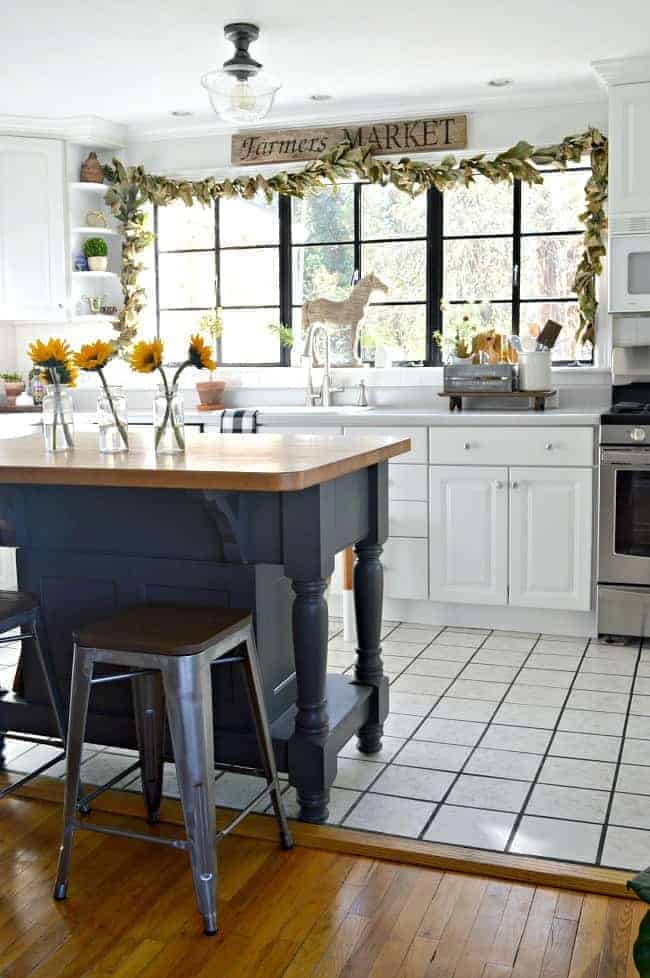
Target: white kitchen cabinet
[550,538]
[629,140]
[32,229]
[405,568]
[468,529]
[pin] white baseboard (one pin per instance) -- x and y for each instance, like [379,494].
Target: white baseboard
[578,623]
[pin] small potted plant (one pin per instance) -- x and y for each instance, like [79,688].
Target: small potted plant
[96,252]
[211,391]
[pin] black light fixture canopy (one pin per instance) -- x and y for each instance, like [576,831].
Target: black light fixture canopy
[242,36]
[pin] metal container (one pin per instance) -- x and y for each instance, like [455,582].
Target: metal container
[470,377]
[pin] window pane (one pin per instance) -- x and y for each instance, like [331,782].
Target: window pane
[185,227]
[400,266]
[322,271]
[250,278]
[402,328]
[248,222]
[175,331]
[478,269]
[187,280]
[555,204]
[548,266]
[246,338]
[326,216]
[482,208]
[481,317]
[387,212]
[534,315]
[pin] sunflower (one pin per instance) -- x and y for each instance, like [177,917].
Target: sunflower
[145,357]
[55,359]
[200,354]
[94,356]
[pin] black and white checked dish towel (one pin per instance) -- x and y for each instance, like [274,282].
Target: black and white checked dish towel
[239,421]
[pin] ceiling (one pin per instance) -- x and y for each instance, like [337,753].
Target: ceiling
[134,61]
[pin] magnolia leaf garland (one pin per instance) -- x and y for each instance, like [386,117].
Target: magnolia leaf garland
[131,188]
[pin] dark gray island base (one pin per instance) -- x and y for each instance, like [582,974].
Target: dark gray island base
[89,549]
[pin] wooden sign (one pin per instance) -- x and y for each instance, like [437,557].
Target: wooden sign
[385,138]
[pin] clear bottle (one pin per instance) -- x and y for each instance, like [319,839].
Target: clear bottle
[169,421]
[58,419]
[112,419]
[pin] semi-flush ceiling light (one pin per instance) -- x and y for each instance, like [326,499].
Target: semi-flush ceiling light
[240,91]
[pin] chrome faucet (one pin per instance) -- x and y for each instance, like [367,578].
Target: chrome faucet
[323,397]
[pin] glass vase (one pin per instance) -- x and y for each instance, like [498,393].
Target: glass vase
[169,421]
[113,422]
[58,419]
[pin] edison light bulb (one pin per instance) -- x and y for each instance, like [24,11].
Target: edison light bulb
[242,97]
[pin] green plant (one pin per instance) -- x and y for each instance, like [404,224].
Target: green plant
[640,884]
[12,378]
[283,332]
[95,248]
[211,325]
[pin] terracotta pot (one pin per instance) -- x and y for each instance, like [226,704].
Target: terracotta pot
[97,263]
[211,392]
[14,388]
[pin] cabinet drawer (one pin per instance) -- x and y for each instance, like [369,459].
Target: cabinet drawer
[512,446]
[285,429]
[418,438]
[407,518]
[407,481]
[406,568]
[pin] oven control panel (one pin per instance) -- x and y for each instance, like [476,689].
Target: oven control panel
[625,434]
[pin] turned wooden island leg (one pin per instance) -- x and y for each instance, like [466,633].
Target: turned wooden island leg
[368,605]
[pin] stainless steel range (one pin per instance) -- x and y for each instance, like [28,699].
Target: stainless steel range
[624,514]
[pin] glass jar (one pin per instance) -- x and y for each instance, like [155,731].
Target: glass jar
[112,419]
[58,419]
[169,421]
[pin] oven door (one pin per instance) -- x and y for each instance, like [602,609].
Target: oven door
[624,516]
[629,273]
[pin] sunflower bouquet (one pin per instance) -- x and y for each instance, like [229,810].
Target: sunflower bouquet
[93,358]
[54,361]
[146,357]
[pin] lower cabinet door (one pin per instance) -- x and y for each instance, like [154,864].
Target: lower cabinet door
[405,568]
[551,538]
[468,534]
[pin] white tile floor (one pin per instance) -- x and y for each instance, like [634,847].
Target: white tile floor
[506,741]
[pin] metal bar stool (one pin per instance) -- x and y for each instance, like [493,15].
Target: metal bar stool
[169,650]
[19,609]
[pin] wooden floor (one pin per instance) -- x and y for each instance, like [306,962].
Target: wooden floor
[130,914]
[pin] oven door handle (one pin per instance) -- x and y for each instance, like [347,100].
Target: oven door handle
[638,458]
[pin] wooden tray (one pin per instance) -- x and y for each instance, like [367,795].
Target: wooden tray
[538,398]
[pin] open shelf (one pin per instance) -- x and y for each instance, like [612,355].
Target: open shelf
[95,274]
[89,319]
[89,230]
[95,188]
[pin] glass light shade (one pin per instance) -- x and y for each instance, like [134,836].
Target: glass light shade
[238,99]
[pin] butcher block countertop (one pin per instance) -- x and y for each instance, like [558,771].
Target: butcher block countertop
[261,463]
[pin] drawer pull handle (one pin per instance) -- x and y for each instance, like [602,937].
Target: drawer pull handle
[467,446]
[498,484]
[549,446]
[514,485]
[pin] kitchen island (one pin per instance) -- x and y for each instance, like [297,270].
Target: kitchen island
[248,521]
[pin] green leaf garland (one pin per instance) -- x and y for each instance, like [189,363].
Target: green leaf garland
[132,188]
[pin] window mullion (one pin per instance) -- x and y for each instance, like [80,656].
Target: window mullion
[516,257]
[357,230]
[284,263]
[217,272]
[434,273]
[156,257]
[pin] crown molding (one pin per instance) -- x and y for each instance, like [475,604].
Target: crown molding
[88,130]
[623,71]
[364,111]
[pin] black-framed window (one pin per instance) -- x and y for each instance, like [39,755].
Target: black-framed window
[512,247]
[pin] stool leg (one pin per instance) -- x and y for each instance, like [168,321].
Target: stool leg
[188,697]
[149,713]
[82,671]
[50,678]
[255,691]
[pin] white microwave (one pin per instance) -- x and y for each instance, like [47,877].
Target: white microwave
[629,273]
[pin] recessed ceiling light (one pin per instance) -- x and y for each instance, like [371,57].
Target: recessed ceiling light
[320,97]
[181,113]
[500,82]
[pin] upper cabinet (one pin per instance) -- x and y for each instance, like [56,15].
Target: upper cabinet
[629,134]
[32,229]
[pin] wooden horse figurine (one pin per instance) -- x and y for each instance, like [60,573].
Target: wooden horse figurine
[346,312]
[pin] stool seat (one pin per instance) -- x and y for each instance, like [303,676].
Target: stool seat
[14,603]
[163,629]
